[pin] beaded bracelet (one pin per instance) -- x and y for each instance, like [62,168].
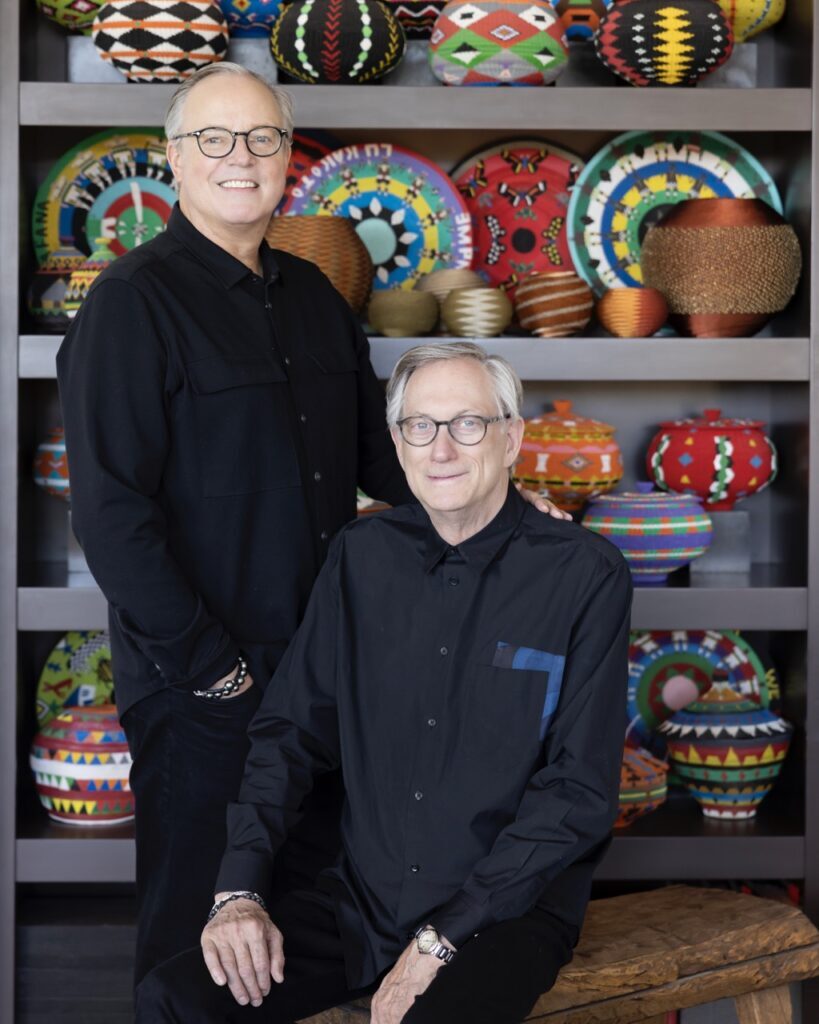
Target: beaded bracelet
[214,910]
[231,686]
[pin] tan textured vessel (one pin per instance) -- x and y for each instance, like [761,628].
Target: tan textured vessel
[398,313]
[477,312]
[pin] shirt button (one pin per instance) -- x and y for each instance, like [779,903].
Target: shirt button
[324,535]
[317,476]
[415,868]
[444,650]
[303,418]
[418,794]
[287,360]
[268,305]
[432,722]
[454,581]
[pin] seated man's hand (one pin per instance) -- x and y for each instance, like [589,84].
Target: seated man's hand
[243,948]
[542,504]
[410,977]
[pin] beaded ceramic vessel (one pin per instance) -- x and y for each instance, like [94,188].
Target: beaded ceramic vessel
[643,785]
[250,18]
[337,41]
[417,17]
[727,750]
[81,765]
[750,17]
[632,312]
[476,312]
[657,533]
[725,266]
[569,458]
[160,40]
[71,14]
[51,465]
[46,294]
[719,459]
[498,42]
[85,275]
[581,18]
[553,305]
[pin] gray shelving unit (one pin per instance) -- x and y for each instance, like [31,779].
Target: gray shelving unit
[631,382]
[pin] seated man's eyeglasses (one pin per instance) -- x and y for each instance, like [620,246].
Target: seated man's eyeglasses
[266,140]
[420,431]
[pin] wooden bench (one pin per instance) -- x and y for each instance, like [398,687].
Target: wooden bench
[642,955]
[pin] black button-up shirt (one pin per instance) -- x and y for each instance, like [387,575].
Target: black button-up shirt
[475,699]
[217,423]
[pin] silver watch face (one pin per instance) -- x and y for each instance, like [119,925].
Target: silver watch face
[427,940]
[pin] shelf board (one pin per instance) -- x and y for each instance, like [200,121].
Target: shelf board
[598,108]
[676,842]
[555,359]
[765,599]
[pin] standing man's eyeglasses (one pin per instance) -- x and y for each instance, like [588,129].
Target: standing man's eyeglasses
[420,431]
[266,140]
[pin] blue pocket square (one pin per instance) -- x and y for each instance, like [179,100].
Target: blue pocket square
[508,656]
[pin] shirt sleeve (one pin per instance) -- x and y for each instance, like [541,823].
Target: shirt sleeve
[294,736]
[569,806]
[112,373]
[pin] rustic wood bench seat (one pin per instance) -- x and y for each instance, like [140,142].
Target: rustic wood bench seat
[644,954]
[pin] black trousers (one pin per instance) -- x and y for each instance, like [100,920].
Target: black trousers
[495,978]
[188,758]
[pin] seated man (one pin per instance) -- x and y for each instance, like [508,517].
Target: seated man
[464,660]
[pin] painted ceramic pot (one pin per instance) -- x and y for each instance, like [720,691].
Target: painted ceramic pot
[632,312]
[643,785]
[81,763]
[85,275]
[657,533]
[417,17]
[403,314]
[441,282]
[727,750]
[650,42]
[248,19]
[160,40]
[719,459]
[51,465]
[554,305]
[498,42]
[581,18]
[337,41]
[71,14]
[46,294]
[725,266]
[569,458]
[476,312]
[334,246]
[750,17]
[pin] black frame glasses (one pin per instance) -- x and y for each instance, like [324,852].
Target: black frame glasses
[485,420]
[283,134]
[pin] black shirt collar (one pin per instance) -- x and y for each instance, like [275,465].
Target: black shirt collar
[221,264]
[482,548]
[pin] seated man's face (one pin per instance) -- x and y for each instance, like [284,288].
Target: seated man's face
[446,476]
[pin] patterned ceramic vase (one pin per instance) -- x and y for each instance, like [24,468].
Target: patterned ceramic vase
[442,282]
[725,266]
[727,750]
[643,785]
[717,458]
[71,14]
[652,42]
[334,246]
[85,275]
[553,305]
[498,42]
[81,763]
[337,41]
[399,313]
[581,18]
[632,312]
[476,312]
[160,40]
[46,294]
[250,18]
[750,17]
[658,533]
[569,458]
[416,16]
[76,674]
[51,465]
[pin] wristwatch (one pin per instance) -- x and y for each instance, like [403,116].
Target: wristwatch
[428,941]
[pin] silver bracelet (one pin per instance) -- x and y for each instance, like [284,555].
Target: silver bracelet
[231,686]
[214,910]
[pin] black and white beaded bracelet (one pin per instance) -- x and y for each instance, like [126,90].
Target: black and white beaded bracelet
[231,686]
[214,910]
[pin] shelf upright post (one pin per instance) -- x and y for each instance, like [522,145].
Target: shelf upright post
[9,331]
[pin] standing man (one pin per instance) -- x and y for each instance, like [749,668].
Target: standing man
[220,409]
[465,661]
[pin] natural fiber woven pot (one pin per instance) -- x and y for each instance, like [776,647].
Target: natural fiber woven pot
[398,313]
[442,282]
[725,266]
[553,305]
[476,312]
[334,246]
[632,312]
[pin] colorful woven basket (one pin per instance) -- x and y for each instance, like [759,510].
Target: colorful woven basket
[554,305]
[643,785]
[71,14]
[250,18]
[51,465]
[632,312]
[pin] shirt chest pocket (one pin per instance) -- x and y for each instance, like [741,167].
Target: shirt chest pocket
[513,696]
[243,426]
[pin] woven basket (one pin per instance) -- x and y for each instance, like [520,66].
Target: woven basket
[335,248]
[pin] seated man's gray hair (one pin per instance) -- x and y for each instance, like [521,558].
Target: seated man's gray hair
[505,382]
